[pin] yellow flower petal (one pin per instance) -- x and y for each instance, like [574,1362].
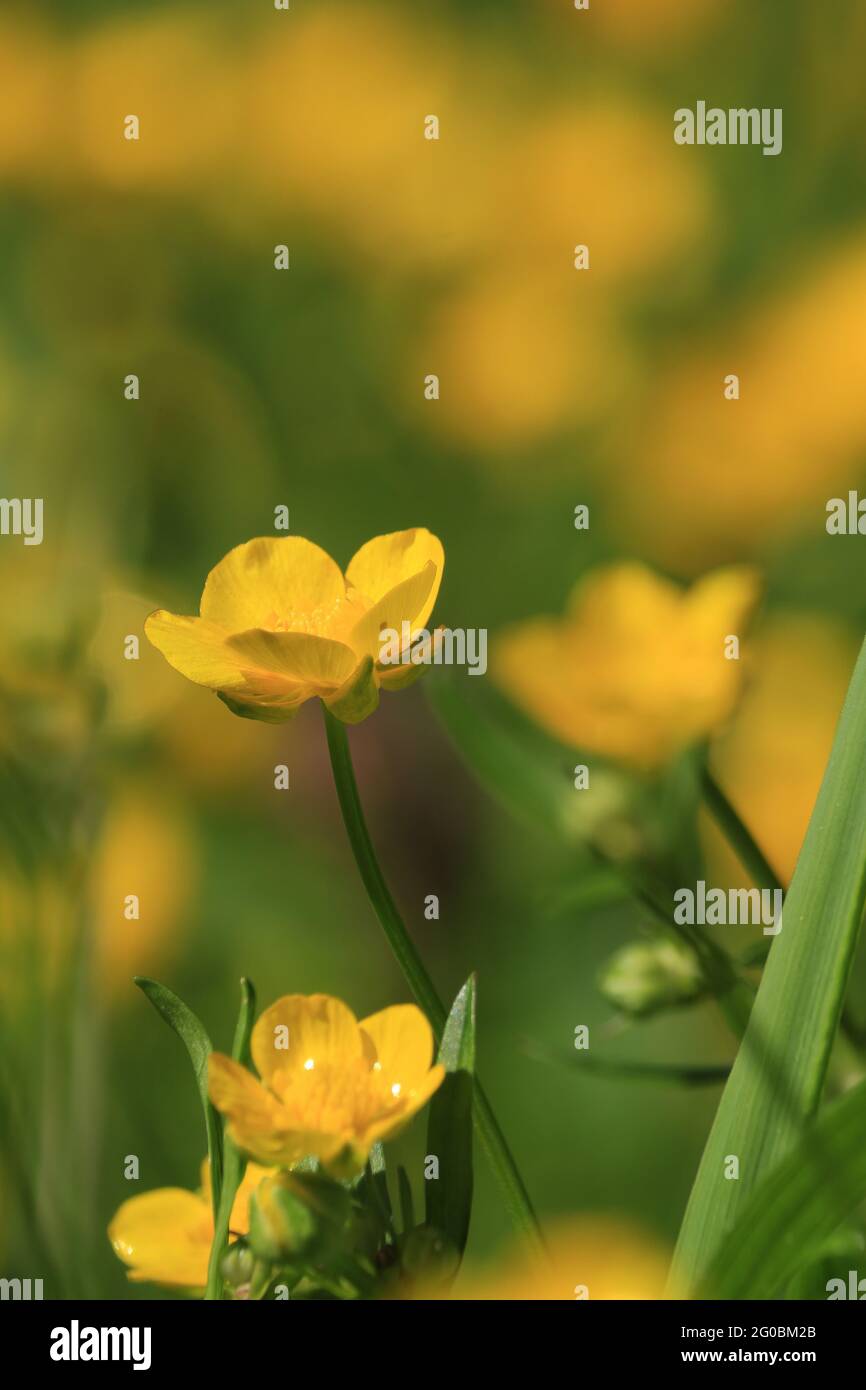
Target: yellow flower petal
[236,1092]
[627,599]
[286,580]
[389,1126]
[719,603]
[316,1028]
[637,669]
[386,561]
[291,660]
[195,648]
[403,1042]
[400,605]
[165,1236]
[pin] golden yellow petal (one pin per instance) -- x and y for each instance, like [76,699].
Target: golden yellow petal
[721,603]
[389,1126]
[195,648]
[402,604]
[304,1028]
[291,660]
[386,561]
[283,580]
[403,1043]
[236,1093]
[626,599]
[165,1236]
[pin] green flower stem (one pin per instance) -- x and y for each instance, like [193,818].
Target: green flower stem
[234,1162]
[487,1127]
[739,837]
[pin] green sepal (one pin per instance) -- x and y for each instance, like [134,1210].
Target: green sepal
[358,696]
[263,714]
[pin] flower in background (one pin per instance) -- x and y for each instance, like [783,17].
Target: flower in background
[772,759]
[165,1236]
[704,478]
[591,173]
[280,624]
[147,846]
[588,1258]
[520,362]
[636,670]
[331,1087]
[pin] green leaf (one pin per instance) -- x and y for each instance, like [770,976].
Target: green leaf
[682,1074]
[244,1025]
[533,788]
[234,1162]
[448,1198]
[183,1021]
[778,1077]
[791,1215]
[407,1204]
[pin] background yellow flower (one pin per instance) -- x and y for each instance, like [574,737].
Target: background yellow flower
[637,669]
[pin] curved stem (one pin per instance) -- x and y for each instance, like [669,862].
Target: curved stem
[738,835]
[487,1127]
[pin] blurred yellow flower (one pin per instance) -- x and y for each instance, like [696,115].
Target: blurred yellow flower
[331,1086]
[588,1258]
[772,758]
[147,846]
[604,174]
[165,1236]
[280,624]
[338,109]
[636,670]
[519,359]
[705,478]
[177,75]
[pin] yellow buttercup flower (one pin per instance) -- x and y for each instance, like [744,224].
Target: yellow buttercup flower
[637,669]
[165,1236]
[279,623]
[331,1087]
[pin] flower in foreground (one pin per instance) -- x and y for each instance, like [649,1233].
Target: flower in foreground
[165,1236]
[331,1087]
[280,623]
[637,669]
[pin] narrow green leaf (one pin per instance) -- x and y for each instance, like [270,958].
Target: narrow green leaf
[407,1204]
[448,1198]
[244,1025]
[183,1021]
[797,1207]
[777,1080]
[234,1162]
[683,1074]
[374,1187]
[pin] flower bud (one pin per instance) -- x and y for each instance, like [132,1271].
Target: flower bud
[297,1216]
[429,1256]
[650,976]
[238,1264]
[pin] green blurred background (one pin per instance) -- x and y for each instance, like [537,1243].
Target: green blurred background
[305,388]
